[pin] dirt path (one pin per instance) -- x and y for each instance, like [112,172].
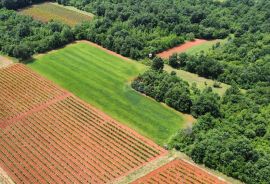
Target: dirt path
[4,62]
[181,48]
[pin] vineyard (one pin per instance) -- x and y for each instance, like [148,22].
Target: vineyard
[50,11]
[179,171]
[50,136]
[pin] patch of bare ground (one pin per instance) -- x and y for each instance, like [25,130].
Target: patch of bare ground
[4,62]
[181,48]
[4,178]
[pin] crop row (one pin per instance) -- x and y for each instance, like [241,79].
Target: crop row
[50,136]
[179,171]
[22,90]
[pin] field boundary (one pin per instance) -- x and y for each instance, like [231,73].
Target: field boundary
[181,48]
[7,122]
[104,49]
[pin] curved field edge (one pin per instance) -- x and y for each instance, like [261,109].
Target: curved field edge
[102,80]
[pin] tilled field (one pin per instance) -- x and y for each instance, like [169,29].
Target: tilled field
[58,138]
[179,172]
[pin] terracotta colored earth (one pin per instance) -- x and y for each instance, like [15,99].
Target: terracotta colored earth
[180,171]
[50,136]
[181,48]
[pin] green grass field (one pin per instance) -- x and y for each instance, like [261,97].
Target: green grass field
[103,80]
[52,11]
[200,81]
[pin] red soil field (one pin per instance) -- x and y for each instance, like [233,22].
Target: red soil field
[179,171]
[61,139]
[23,90]
[181,48]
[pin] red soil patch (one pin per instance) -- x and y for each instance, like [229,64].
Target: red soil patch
[180,171]
[181,48]
[62,139]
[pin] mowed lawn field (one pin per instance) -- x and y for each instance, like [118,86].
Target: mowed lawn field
[103,80]
[52,11]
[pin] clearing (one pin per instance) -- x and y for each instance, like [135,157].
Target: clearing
[204,47]
[201,82]
[52,11]
[103,80]
[181,48]
[192,47]
[57,138]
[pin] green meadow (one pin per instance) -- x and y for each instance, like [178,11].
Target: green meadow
[103,80]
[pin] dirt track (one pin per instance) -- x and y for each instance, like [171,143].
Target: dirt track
[181,48]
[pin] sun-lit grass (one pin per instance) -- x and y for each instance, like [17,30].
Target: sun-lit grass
[200,81]
[52,11]
[102,80]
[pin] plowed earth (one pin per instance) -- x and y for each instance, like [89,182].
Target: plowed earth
[179,171]
[47,135]
[181,48]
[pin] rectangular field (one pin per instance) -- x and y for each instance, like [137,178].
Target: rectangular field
[103,80]
[51,11]
[63,139]
[179,171]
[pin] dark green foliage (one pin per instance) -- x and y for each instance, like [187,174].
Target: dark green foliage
[21,36]
[136,28]
[176,93]
[206,102]
[16,4]
[157,64]
[237,143]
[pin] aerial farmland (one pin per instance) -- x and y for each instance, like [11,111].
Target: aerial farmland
[134,92]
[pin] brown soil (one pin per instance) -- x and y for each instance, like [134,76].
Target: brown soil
[181,48]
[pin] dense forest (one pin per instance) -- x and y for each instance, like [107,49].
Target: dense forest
[16,4]
[137,28]
[232,133]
